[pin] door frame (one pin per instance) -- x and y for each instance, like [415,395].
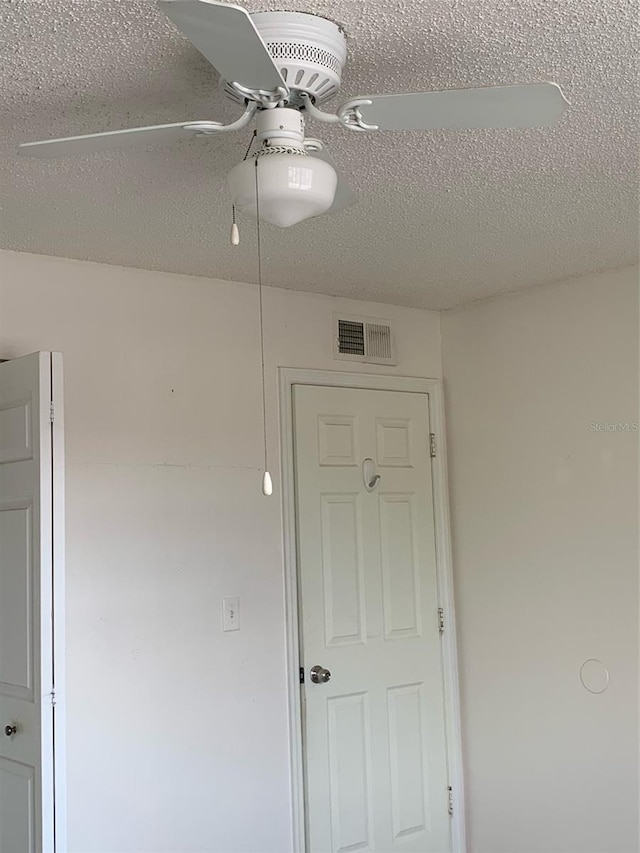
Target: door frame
[58,552]
[288,377]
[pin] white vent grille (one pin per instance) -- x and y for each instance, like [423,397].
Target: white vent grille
[364,339]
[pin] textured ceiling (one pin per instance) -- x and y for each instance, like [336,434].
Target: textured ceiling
[443,217]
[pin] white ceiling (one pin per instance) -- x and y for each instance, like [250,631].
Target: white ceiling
[443,217]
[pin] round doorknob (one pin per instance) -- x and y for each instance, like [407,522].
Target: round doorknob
[10,730]
[320,675]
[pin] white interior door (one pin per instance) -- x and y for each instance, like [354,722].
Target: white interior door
[374,734]
[27,546]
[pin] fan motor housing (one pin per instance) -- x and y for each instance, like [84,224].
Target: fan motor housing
[309,51]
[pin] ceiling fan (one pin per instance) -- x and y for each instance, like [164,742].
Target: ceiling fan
[281,66]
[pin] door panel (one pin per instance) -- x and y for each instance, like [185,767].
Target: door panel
[407,740]
[26,606]
[375,757]
[342,569]
[17,807]
[15,430]
[394,442]
[350,771]
[16,593]
[337,441]
[400,569]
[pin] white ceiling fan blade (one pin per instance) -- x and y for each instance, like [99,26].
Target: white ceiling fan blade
[535,105]
[90,143]
[226,36]
[344,196]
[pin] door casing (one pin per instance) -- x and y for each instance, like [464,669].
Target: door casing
[59,607]
[288,377]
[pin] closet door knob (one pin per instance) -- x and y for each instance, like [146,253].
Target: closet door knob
[320,675]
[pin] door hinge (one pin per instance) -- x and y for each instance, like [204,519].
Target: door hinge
[51,412]
[301,675]
[53,697]
[441,619]
[432,444]
[450,801]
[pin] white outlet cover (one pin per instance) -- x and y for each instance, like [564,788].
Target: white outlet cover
[231,613]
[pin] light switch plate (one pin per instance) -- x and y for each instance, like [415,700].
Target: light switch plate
[231,613]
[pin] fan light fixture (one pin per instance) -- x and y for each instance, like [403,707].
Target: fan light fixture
[292,187]
[293,184]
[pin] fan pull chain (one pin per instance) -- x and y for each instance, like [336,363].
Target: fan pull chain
[235,232]
[267,484]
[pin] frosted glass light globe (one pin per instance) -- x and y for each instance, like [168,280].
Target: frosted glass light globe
[292,187]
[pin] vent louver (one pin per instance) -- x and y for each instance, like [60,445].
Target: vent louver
[364,339]
[350,337]
[378,341]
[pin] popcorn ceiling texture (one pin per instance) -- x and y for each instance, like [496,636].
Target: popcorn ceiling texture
[444,217]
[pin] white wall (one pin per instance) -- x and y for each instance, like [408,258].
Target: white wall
[545,539]
[177,732]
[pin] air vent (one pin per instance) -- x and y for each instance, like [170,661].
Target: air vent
[364,339]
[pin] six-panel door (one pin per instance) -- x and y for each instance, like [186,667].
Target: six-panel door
[375,752]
